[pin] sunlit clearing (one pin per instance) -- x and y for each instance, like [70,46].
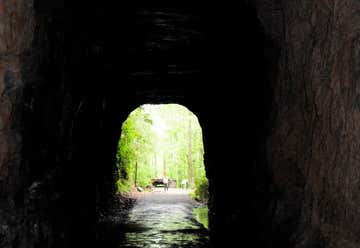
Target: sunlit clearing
[159,141]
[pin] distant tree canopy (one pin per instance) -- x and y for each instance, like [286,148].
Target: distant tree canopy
[158,141]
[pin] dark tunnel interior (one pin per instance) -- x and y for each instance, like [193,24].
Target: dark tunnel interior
[103,60]
[90,64]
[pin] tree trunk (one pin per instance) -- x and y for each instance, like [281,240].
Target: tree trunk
[190,159]
[136,168]
[164,167]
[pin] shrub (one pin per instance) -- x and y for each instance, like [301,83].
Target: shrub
[201,192]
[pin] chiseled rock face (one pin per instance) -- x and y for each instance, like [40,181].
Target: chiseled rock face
[10,139]
[16,33]
[16,26]
[313,150]
[315,143]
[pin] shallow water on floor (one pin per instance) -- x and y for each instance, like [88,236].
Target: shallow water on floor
[163,220]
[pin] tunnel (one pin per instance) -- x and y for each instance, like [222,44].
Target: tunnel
[274,84]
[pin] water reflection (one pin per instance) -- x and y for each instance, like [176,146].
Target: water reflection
[164,220]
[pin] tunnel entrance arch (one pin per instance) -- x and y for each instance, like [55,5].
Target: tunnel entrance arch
[158,141]
[78,87]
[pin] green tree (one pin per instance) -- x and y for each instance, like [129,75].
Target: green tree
[159,140]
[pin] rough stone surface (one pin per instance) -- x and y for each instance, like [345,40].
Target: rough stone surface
[314,143]
[16,34]
[18,226]
[65,77]
[16,26]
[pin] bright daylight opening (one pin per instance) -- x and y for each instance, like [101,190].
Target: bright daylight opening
[161,152]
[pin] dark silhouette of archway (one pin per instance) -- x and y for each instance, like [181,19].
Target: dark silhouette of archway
[92,64]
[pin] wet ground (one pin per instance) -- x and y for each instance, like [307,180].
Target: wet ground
[162,220]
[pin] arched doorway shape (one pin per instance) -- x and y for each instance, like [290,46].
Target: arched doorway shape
[158,141]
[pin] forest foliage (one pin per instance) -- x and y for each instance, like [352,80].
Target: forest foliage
[158,141]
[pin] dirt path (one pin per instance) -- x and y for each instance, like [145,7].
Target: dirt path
[163,220]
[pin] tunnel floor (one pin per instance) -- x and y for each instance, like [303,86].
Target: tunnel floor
[163,219]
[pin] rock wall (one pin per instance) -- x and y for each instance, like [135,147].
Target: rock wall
[67,82]
[18,226]
[16,35]
[31,214]
[314,146]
